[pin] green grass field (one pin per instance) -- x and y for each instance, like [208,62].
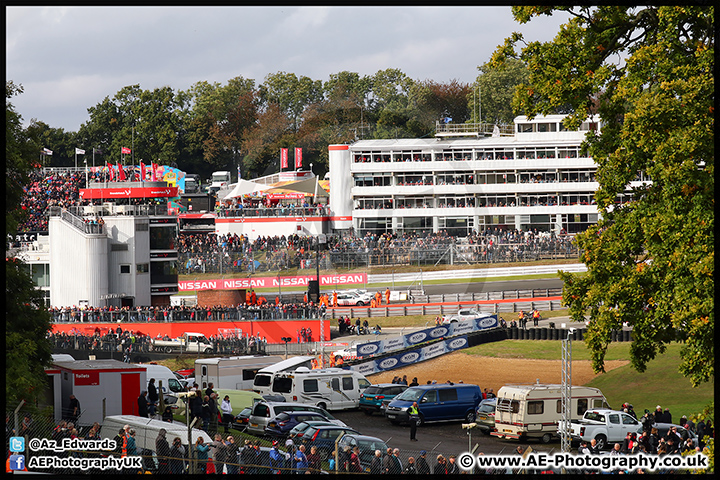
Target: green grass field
[660,384]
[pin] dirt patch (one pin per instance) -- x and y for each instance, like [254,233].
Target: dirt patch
[493,372]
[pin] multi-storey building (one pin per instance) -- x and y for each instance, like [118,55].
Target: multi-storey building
[531,176]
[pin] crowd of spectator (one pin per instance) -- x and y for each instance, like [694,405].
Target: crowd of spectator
[115,339]
[45,190]
[261,310]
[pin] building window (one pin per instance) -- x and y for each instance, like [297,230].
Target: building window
[143,267]
[536,407]
[163,237]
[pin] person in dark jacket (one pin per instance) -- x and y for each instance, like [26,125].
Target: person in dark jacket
[410,467]
[152,397]
[421,465]
[376,464]
[440,466]
[142,404]
[452,467]
[167,415]
[162,449]
[206,414]
[177,457]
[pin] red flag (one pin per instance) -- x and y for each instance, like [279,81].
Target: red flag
[112,171]
[298,157]
[153,178]
[125,150]
[142,172]
[283,158]
[121,173]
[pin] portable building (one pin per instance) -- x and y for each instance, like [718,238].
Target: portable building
[234,373]
[103,387]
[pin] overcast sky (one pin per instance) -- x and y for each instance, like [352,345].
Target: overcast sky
[70,58]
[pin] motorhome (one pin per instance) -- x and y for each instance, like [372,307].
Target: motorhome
[328,388]
[534,410]
[235,373]
[264,378]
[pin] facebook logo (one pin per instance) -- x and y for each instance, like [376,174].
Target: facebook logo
[17,444]
[17,462]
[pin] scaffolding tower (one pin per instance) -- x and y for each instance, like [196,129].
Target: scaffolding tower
[564,429]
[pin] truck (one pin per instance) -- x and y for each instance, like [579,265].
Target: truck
[533,410]
[219,180]
[236,373]
[605,426]
[188,342]
[192,183]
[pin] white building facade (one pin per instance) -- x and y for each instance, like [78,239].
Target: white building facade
[533,178]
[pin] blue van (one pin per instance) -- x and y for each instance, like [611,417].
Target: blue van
[437,403]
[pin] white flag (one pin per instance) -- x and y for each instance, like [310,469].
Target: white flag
[47,151]
[79,152]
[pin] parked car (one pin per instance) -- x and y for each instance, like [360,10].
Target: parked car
[485,415]
[367,446]
[264,411]
[241,419]
[372,399]
[299,429]
[352,299]
[281,425]
[323,437]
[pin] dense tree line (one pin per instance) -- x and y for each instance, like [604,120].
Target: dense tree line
[212,126]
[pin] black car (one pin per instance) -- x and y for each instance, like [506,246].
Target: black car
[241,419]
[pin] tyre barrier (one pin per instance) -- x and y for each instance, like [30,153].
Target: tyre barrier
[543,334]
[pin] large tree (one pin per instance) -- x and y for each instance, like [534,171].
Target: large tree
[27,348]
[492,94]
[649,73]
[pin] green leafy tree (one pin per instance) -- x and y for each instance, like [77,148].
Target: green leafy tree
[649,73]
[291,94]
[27,349]
[431,101]
[492,94]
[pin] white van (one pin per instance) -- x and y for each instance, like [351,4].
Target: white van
[327,388]
[146,430]
[171,386]
[235,373]
[533,411]
[262,383]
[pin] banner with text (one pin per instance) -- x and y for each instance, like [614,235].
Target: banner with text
[464,327]
[413,356]
[269,282]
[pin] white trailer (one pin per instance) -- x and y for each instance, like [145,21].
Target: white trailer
[533,411]
[264,378]
[327,388]
[234,373]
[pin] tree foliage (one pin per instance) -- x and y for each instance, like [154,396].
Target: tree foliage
[494,91]
[27,348]
[649,73]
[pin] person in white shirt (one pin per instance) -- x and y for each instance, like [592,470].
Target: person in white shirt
[226,410]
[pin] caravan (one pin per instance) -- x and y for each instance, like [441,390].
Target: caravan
[262,383]
[327,388]
[235,373]
[533,411]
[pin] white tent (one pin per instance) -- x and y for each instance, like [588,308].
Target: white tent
[244,187]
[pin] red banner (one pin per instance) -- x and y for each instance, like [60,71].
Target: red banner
[125,150]
[298,157]
[130,192]
[283,158]
[87,378]
[285,196]
[270,282]
[121,173]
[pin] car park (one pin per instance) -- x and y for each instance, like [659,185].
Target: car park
[299,430]
[372,399]
[323,437]
[281,425]
[485,415]
[367,446]
[264,411]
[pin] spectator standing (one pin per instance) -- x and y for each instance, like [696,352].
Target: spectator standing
[232,455]
[410,467]
[201,450]
[74,409]
[440,466]
[314,460]
[152,397]
[213,408]
[300,460]
[422,466]
[177,457]
[452,468]
[142,402]
[226,408]
[162,449]
[376,467]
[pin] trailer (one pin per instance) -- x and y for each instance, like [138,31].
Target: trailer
[533,411]
[234,373]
